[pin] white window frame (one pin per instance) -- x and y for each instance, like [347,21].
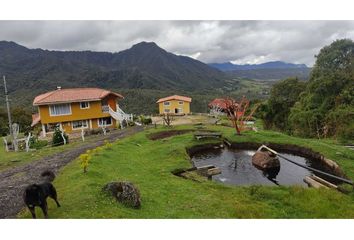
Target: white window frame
[88,105]
[167,103]
[167,110]
[54,115]
[82,127]
[98,122]
[180,102]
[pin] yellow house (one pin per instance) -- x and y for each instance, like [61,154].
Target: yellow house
[177,105]
[75,109]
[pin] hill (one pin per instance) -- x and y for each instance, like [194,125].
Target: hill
[144,66]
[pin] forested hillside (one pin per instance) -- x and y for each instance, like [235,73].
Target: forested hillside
[322,107]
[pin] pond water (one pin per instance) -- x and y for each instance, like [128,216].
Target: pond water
[237,168]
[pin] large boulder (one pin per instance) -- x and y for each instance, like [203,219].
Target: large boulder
[265,160]
[124,192]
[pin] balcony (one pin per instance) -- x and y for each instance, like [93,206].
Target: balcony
[105,108]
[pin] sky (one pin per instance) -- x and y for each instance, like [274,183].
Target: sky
[240,42]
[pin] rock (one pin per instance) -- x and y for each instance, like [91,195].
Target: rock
[124,192]
[265,160]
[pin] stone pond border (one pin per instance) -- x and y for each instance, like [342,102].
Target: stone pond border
[286,148]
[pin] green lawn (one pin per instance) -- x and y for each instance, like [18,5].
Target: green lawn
[148,164]
[13,159]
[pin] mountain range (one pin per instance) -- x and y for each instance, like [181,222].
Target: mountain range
[145,65]
[275,70]
[228,66]
[143,73]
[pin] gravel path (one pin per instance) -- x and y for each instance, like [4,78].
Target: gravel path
[14,180]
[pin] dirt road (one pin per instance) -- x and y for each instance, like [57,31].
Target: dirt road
[14,180]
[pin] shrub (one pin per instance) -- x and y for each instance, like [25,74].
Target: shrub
[131,123]
[38,144]
[147,121]
[107,144]
[58,139]
[84,161]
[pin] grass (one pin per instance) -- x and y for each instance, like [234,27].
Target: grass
[13,159]
[148,164]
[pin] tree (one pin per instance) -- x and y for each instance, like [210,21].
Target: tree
[235,111]
[283,96]
[330,88]
[168,119]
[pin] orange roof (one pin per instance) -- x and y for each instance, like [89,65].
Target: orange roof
[73,95]
[175,97]
[35,119]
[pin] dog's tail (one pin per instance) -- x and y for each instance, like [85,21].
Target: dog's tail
[48,176]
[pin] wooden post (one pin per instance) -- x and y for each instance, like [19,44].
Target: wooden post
[27,142]
[15,132]
[44,134]
[83,134]
[6,146]
[62,135]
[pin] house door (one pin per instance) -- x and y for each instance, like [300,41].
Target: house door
[176,110]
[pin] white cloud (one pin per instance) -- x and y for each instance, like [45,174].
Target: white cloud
[209,41]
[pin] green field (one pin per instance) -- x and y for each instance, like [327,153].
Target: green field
[148,164]
[13,159]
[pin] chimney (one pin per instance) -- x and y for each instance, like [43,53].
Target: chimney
[58,88]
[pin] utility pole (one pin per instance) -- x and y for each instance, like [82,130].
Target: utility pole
[8,106]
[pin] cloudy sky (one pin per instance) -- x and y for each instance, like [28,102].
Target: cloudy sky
[209,41]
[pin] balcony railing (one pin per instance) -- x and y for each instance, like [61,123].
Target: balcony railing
[105,108]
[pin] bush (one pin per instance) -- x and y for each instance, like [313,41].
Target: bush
[84,161]
[35,143]
[58,139]
[346,135]
[145,120]
[39,144]
[131,123]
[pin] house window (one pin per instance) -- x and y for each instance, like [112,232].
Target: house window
[180,102]
[166,103]
[60,109]
[167,110]
[84,105]
[107,121]
[80,124]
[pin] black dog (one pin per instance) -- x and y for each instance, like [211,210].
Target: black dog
[37,194]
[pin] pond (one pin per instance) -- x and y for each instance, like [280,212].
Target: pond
[237,168]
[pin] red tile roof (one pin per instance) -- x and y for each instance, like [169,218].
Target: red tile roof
[219,102]
[72,95]
[175,97]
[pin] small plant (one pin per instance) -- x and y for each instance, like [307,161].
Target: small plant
[84,161]
[107,144]
[145,120]
[168,119]
[58,138]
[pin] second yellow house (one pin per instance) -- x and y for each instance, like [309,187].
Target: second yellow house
[176,105]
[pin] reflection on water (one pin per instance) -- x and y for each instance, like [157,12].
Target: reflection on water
[237,168]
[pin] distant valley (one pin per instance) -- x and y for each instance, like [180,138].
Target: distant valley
[275,70]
